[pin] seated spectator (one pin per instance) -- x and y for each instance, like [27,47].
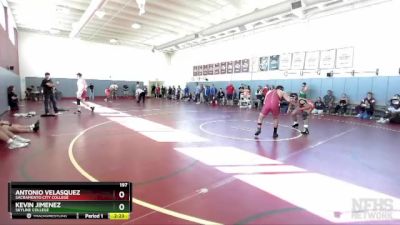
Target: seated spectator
[329,101]
[319,107]
[392,114]
[366,108]
[12,98]
[13,141]
[342,105]
[18,128]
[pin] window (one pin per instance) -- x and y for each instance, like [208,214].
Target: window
[2,17]
[11,26]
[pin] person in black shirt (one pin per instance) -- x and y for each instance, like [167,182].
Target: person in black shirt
[47,85]
[91,92]
[12,98]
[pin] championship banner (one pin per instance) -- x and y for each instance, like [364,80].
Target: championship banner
[230,67]
[205,69]
[312,60]
[199,70]
[298,60]
[263,63]
[245,65]
[274,62]
[327,59]
[285,61]
[216,68]
[70,200]
[210,69]
[194,70]
[238,66]
[223,68]
[344,57]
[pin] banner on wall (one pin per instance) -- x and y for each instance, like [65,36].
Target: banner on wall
[205,70]
[230,67]
[194,70]
[274,62]
[312,60]
[285,61]
[199,70]
[298,60]
[263,63]
[327,59]
[238,66]
[344,57]
[216,68]
[210,69]
[223,68]
[245,65]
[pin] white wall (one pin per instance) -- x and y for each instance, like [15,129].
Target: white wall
[64,57]
[372,31]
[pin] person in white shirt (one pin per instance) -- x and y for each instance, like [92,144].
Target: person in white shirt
[81,93]
[140,94]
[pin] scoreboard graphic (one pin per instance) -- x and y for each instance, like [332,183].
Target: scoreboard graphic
[70,200]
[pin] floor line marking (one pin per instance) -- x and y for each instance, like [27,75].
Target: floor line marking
[316,145]
[134,200]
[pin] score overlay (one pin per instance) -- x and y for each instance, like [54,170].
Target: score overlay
[70,200]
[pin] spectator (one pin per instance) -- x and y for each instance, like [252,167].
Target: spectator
[18,128]
[91,92]
[329,101]
[213,92]
[221,97]
[319,107]
[342,105]
[229,94]
[12,98]
[392,114]
[48,85]
[367,107]
[304,90]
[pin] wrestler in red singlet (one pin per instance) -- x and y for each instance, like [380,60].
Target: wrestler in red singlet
[272,104]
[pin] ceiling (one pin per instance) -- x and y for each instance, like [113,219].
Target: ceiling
[166,25]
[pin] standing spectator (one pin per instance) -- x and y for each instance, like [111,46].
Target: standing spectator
[213,92]
[12,98]
[153,90]
[47,85]
[304,90]
[329,101]
[367,107]
[178,92]
[229,94]
[91,92]
[158,91]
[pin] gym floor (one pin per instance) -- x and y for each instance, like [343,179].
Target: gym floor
[198,164]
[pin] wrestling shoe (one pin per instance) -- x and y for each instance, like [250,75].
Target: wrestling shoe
[36,126]
[258,132]
[306,131]
[92,108]
[16,144]
[275,135]
[296,125]
[21,139]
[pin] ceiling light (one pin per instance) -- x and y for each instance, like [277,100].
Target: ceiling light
[136,26]
[63,10]
[113,41]
[100,14]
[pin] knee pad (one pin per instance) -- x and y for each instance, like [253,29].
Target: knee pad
[78,101]
[304,115]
